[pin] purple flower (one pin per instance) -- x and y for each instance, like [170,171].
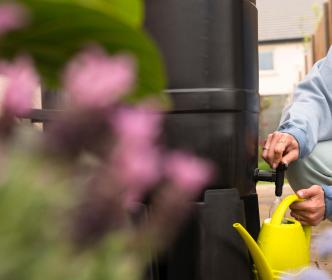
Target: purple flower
[136,126]
[12,17]
[310,273]
[323,243]
[187,171]
[22,81]
[94,79]
[137,169]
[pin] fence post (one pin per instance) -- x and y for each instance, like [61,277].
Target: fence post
[326,22]
[329,14]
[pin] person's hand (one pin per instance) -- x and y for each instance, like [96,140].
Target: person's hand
[280,147]
[310,211]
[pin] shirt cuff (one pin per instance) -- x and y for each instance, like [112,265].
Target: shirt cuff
[328,201]
[300,137]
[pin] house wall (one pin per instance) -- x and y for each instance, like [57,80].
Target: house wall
[288,70]
[276,86]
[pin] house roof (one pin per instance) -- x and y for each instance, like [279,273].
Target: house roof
[287,19]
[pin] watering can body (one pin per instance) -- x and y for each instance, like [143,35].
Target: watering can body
[283,245]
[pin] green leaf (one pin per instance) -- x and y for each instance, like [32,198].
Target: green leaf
[128,11]
[60,29]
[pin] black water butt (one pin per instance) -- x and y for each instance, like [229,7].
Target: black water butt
[210,51]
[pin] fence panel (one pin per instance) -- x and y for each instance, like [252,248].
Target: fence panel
[322,38]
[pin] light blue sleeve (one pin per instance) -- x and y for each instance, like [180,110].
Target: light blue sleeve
[328,201]
[309,117]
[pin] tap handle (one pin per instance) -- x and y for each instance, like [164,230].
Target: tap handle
[264,175]
[280,176]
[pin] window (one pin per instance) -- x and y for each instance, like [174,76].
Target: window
[266,61]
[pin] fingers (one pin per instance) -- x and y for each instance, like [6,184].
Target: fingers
[266,148]
[313,191]
[300,218]
[270,154]
[280,147]
[277,148]
[311,211]
[305,218]
[290,156]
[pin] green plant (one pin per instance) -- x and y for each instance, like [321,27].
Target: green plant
[96,195]
[57,29]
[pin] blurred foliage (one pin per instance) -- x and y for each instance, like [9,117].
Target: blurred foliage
[262,164]
[90,197]
[60,28]
[265,103]
[37,199]
[41,194]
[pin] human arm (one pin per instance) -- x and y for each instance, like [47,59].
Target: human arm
[328,201]
[307,120]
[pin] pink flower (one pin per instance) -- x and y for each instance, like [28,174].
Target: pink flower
[136,126]
[12,17]
[22,81]
[95,79]
[187,171]
[323,243]
[136,169]
[310,273]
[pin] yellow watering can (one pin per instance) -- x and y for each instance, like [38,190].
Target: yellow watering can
[283,245]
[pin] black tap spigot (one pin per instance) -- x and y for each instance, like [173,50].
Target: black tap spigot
[276,176]
[280,176]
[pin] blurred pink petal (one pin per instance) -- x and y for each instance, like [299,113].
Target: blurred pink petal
[137,170]
[136,126]
[323,243]
[12,17]
[95,79]
[187,171]
[310,273]
[22,81]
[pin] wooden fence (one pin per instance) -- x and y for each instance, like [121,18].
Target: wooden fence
[322,38]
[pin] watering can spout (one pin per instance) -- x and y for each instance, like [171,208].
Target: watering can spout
[262,266]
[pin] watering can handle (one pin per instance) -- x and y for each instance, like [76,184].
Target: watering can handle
[279,214]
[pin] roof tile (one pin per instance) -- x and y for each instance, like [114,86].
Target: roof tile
[287,19]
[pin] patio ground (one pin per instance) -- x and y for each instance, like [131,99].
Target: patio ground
[266,197]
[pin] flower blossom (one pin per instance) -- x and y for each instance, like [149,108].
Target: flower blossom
[136,126]
[310,273]
[323,243]
[136,161]
[12,17]
[94,79]
[187,172]
[137,169]
[21,82]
